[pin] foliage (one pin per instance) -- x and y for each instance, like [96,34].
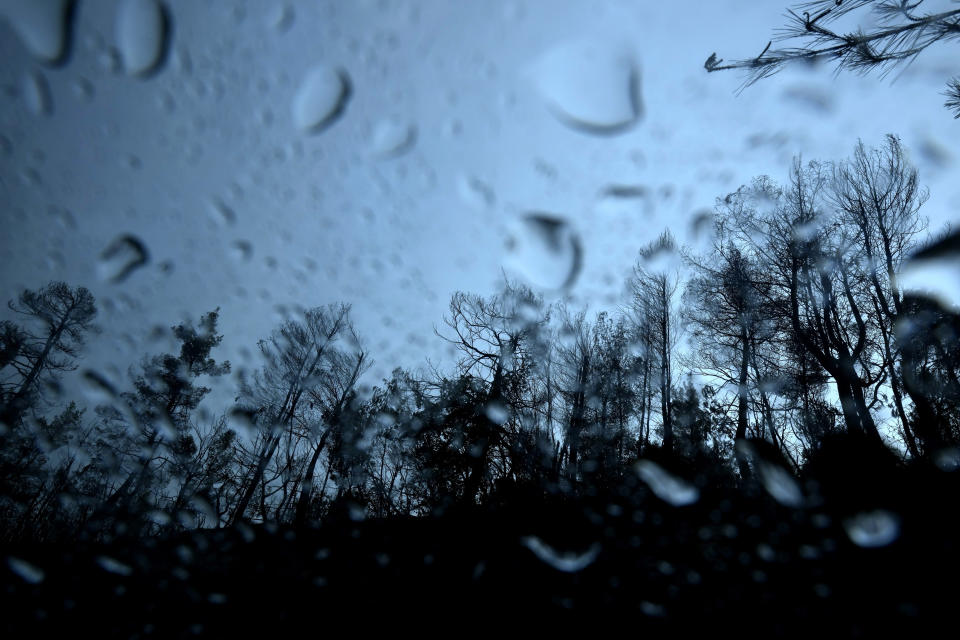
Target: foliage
[902,32]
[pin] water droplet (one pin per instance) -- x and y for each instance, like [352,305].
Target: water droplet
[591,86]
[947,459]
[780,484]
[625,191]
[546,250]
[497,412]
[30,573]
[282,17]
[321,98]
[221,213]
[475,192]
[665,485]
[83,89]
[391,138]
[123,256]
[141,35]
[812,98]
[242,250]
[6,147]
[114,566]
[701,224]
[36,94]
[568,562]
[873,529]
[41,26]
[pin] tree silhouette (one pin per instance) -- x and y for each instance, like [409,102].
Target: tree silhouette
[654,287]
[59,317]
[295,358]
[902,33]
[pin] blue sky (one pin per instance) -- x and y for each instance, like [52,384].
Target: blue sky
[387,154]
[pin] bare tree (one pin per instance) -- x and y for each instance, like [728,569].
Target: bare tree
[654,287]
[295,356]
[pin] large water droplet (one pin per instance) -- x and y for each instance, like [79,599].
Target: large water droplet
[665,485]
[546,250]
[141,35]
[568,562]
[935,272]
[36,94]
[873,529]
[391,138]
[591,86]
[41,25]
[123,256]
[321,98]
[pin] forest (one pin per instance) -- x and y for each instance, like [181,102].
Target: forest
[774,381]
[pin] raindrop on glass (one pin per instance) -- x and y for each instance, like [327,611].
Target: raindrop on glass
[141,35]
[591,86]
[546,250]
[780,484]
[568,562]
[321,98]
[25,570]
[122,257]
[391,138]
[36,94]
[475,193]
[497,412]
[665,485]
[41,25]
[873,528]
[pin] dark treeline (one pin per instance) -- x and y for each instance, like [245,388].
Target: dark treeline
[786,329]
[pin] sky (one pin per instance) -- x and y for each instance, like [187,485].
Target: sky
[263,156]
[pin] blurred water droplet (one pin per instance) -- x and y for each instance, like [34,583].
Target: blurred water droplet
[321,98]
[242,250]
[83,89]
[243,421]
[98,387]
[591,86]
[701,225]
[391,138]
[935,278]
[221,213]
[141,32]
[873,529]
[41,25]
[780,484]
[6,147]
[281,17]
[812,98]
[497,412]
[114,566]
[36,94]
[665,485]
[568,562]
[624,191]
[122,257]
[546,250]
[947,459]
[475,193]
[27,571]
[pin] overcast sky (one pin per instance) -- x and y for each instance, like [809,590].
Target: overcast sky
[386,154]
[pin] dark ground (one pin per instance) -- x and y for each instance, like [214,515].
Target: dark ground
[734,561]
